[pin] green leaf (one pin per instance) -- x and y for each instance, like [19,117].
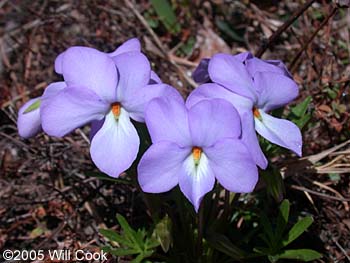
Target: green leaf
[115,237]
[331,93]
[282,219]
[187,48]
[124,251]
[142,256]
[166,15]
[268,236]
[107,249]
[151,243]
[224,27]
[133,240]
[224,245]
[36,232]
[35,105]
[162,232]
[261,250]
[302,121]
[140,235]
[264,237]
[154,23]
[300,254]
[297,230]
[300,109]
[272,258]
[128,231]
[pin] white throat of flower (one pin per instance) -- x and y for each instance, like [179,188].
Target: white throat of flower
[257,114]
[116,109]
[196,164]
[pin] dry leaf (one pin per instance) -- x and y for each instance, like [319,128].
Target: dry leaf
[325,108]
[209,43]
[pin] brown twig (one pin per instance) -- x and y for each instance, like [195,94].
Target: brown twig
[19,143]
[306,44]
[341,248]
[326,187]
[284,27]
[325,196]
[40,86]
[166,53]
[310,59]
[319,156]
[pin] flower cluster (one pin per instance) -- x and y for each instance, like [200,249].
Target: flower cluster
[209,136]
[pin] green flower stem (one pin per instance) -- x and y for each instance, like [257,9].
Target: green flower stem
[200,233]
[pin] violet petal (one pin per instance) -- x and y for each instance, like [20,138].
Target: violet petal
[233,166]
[281,132]
[159,168]
[115,146]
[213,120]
[71,108]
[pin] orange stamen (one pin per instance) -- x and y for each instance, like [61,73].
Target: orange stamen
[256,113]
[116,109]
[196,152]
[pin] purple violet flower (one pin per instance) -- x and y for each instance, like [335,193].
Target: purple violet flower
[29,122]
[193,146]
[109,89]
[254,87]
[253,65]
[130,45]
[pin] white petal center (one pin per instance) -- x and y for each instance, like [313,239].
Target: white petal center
[196,167]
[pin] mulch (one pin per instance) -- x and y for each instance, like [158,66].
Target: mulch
[48,200]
